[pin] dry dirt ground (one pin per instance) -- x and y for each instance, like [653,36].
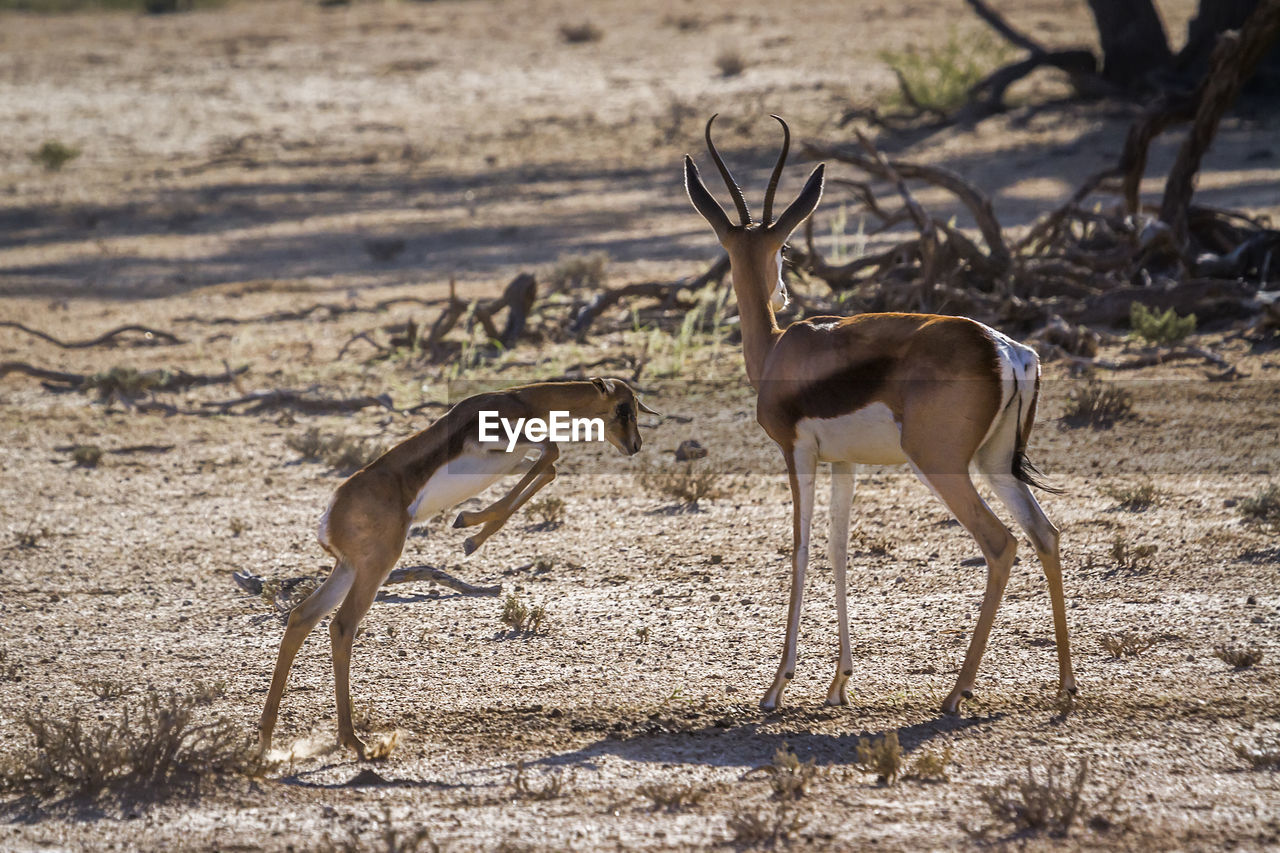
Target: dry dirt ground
[236,162]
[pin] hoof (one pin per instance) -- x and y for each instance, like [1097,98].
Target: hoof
[460,520]
[356,744]
[469,546]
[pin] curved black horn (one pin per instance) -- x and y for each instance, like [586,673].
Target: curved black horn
[777,171]
[734,190]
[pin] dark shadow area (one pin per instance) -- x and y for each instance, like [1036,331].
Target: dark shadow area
[747,744]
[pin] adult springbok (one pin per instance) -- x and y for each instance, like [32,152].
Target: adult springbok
[939,394]
[455,458]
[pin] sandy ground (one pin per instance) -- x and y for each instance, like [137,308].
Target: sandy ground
[236,163]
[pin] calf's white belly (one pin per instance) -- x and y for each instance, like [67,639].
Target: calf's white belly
[869,436]
[462,478]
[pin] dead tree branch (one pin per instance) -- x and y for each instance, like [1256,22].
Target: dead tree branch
[662,290]
[151,336]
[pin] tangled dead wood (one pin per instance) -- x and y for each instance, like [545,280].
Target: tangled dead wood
[1086,263]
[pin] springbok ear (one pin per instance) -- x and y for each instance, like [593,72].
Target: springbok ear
[799,210]
[604,386]
[703,201]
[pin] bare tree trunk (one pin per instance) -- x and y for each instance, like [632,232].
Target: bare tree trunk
[1214,17]
[1134,43]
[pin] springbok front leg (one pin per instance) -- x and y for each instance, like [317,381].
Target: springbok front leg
[496,514]
[802,464]
[842,484]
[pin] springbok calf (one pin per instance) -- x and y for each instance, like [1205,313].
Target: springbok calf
[937,393]
[455,458]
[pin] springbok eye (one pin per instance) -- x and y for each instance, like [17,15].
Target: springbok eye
[624,411]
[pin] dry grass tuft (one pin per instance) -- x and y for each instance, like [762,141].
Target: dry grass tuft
[929,766]
[1125,644]
[1240,658]
[580,33]
[548,512]
[388,838]
[1098,405]
[790,777]
[53,155]
[522,618]
[158,746]
[881,756]
[1131,558]
[1263,507]
[779,825]
[86,455]
[672,798]
[1031,805]
[574,272]
[1263,756]
[685,482]
[556,784]
[730,63]
[1134,498]
[343,453]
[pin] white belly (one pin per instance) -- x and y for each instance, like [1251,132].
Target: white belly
[464,477]
[869,436]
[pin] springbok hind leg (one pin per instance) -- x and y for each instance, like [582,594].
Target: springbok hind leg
[302,619]
[1026,510]
[373,570]
[998,546]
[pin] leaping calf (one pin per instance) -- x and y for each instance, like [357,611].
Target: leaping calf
[455,458]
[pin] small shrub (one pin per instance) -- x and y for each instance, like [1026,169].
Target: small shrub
[158,745]
[751,828]
[686,482]
[790,777]
[1130,558]
[1098,405]
[556,784]
[1263,507]
[343,453]
[1161,329]
[939,78]
[572,272]
[881,756]
[1134,498]
[684,23]
[86,455]
[872,543]
[548,512]
[580,33]
[730,63]
[1239,658]
[514,613]
[106,688]
[929,766]
[31,536]
[672,798]
[53,155]
[522,618]
[1263,756]
[1032,805]
[1125,644]
[127,382]
[642,633]
[388,838]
